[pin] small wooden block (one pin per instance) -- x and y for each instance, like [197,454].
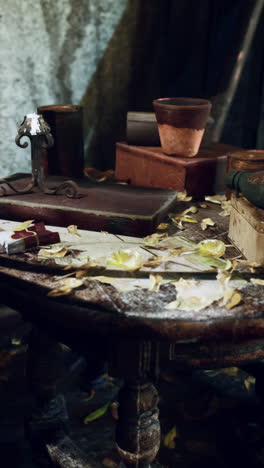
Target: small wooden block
[246,229]
[150,167]
[115,208]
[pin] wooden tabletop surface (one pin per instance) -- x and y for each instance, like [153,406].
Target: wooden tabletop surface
[100,308]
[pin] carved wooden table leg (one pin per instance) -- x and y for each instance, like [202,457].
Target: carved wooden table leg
[137,428]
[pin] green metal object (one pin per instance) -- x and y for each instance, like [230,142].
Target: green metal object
[250,184]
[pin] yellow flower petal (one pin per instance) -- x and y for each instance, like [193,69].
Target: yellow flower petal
[182,196]
[211,248]
[72,229]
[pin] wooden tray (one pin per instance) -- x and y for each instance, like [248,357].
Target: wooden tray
[115,208]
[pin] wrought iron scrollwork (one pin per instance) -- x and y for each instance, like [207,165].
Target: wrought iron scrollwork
[38,131]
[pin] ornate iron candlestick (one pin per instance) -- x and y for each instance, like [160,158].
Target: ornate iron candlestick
[38,131]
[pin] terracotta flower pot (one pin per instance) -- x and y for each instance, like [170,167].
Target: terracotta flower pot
[181,123]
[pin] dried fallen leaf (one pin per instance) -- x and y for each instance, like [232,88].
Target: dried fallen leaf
[153,263]
[72,229]
[216,199]
[257,281]
[70,283]
[97,413]
[191,209]
[16,341]
[178,224]
[195,295]
[59,292]
[109,463]
[207,222]
[24,226]
[225,213]
[162,226]
[127,259]
[187,219]
[169,439]
[230,371]
[55,252]
[211,262]
[154,239]
[231,299]
[211,248]
[155,282]
[84,271]
[98,176]
[182,196]
[183,217]
[203,205]
[249,381]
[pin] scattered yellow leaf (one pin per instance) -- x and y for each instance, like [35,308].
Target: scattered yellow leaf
[54,252]
[154,239]
[155,282]
[249,381]
[225,212]
[163,226]
[179,218]
[182,196]
[231,299]
[191,209]
[169,439]
[16,341]
[188,219]
[72,229]
[70,283]
[211,248]
[24,226]
[178,224]
[98,176]
[203,205]
[97,413]
[216,199]
[85,270]
[207,222]
[126,259]
[156,262]
[230,371]
[60,292]
[109,463]
[257,281]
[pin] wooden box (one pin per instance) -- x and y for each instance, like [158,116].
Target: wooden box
[246,229]
[150,167]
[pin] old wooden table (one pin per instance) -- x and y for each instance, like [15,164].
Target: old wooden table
[133,329]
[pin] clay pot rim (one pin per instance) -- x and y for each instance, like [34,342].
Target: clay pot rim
[245,155]
[196,103]
[60,108]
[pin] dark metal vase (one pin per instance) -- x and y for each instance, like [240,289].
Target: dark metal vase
[66,157]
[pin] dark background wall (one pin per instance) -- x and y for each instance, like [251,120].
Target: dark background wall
[118,55]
